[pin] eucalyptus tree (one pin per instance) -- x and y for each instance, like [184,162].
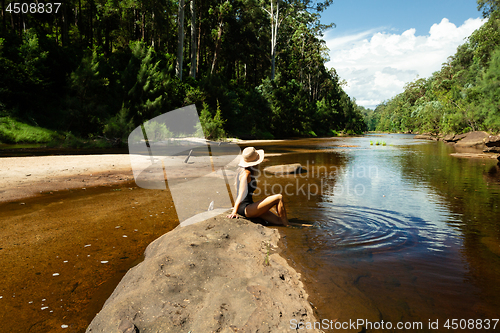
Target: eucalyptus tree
[194,45]
[180,39]
[278,10]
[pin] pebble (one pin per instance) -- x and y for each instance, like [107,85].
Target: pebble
[55,274]
[124,236]
[104,261]
[64,326]
[87,245]
[45,307]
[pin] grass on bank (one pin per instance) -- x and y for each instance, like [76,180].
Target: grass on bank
[13,131]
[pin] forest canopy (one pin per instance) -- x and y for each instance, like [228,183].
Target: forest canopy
[99,68]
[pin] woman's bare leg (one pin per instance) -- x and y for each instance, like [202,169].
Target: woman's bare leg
[271,218]
[263,206]
[280,208]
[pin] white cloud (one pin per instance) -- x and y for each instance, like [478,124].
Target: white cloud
[377,64]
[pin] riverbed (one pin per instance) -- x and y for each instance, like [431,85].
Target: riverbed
[402,232]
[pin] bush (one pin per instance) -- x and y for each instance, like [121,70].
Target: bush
[213,127]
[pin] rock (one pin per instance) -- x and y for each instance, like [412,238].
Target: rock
[423,137]
[285,169]
[474,155]
[449,138]
[473,139]
[492,141]
[492,150]
[454,137]
[218,275]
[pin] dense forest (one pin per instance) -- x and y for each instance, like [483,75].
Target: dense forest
[463,96]
[99,68]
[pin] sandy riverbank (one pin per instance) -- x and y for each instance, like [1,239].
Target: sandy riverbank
[23,177]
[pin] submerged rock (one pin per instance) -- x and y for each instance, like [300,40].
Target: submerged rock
[492,150]
[285,169]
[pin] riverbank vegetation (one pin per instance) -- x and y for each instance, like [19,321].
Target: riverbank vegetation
[98,69]
[463,96]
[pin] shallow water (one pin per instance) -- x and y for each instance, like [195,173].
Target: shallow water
[62,254]
[402,232]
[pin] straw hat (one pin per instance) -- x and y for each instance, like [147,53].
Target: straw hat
[251,157]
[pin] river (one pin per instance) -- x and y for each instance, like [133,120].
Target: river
[402,233]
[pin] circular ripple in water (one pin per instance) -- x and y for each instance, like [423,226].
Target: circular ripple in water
[376,230]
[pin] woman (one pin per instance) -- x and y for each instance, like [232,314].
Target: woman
[246,185]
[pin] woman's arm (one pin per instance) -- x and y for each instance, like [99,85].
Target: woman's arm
[242,191]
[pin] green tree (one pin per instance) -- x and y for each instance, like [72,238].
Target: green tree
[489,86]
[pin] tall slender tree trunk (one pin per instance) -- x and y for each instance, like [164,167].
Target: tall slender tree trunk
[106,37]
[153,29]
[4,24]
[193,40]
[65,29]
[143,26]
[217,47]
[274,15]
[180,39]
[136,29]
[91,19]
[199,45]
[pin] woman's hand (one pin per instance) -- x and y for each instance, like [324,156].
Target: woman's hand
[232,216]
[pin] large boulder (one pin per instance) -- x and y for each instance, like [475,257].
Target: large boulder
[219,275]
[473,139]
[285,169]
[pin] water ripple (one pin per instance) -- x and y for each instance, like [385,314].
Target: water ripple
[376,230]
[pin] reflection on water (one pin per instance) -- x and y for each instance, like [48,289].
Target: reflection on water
[402,232]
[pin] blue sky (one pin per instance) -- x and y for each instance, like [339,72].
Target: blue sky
[379,45]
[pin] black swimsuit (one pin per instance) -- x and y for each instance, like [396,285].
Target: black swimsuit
[249,197]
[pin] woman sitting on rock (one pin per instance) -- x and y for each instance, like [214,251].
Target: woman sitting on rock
[246,185]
